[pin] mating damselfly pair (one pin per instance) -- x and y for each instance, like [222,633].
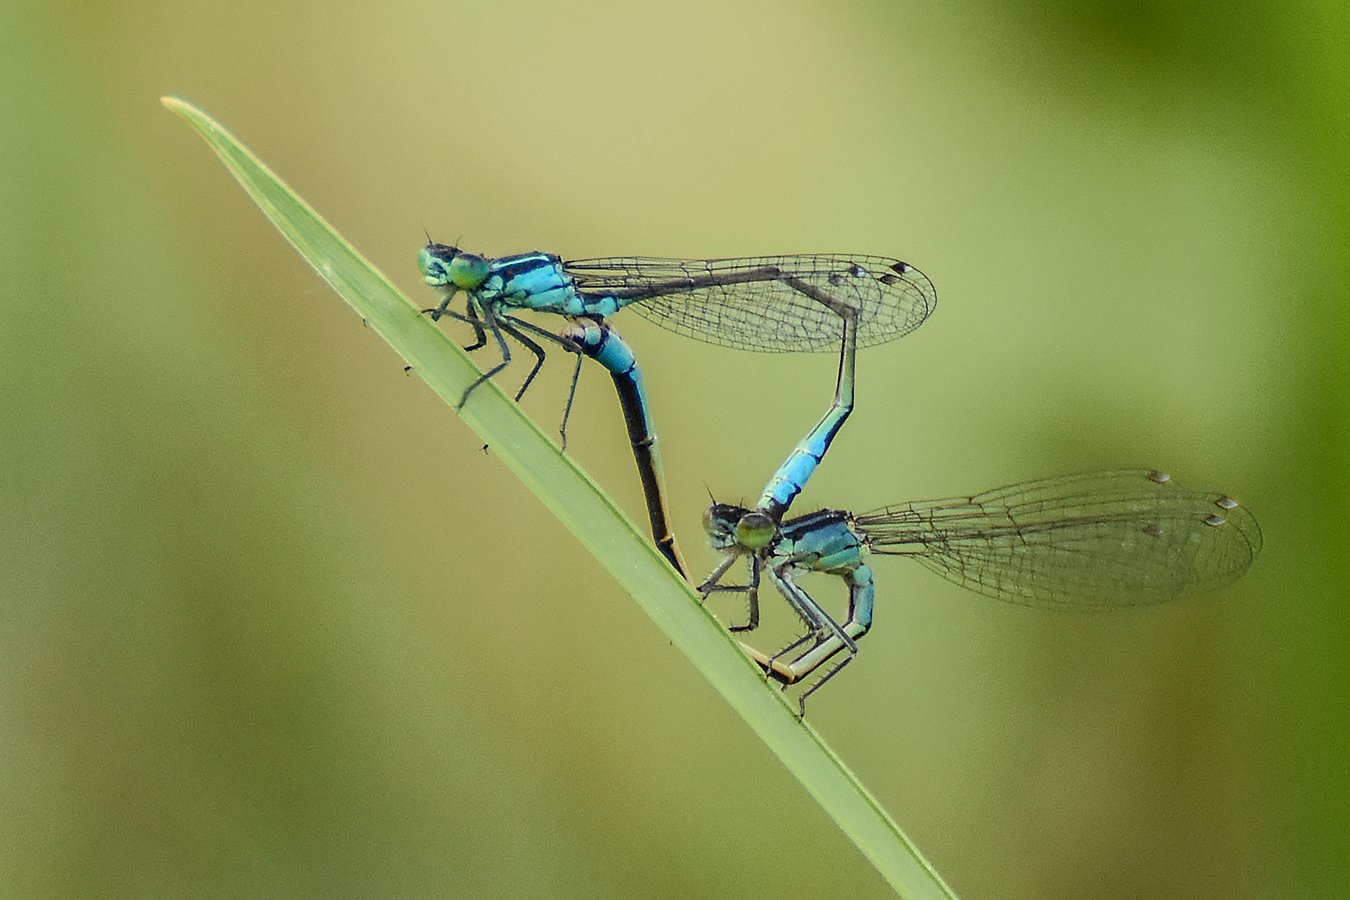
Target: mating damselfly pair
[1092,541]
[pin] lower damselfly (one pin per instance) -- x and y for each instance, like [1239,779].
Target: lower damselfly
[1095,541]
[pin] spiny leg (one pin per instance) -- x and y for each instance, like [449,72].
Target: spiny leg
[571,396]
[480,327]
[570,346]
[508,326]
[516,328]
[862,594]
[712,584]
[751,598]
[825,635]
[812,614]
[470,316]
[480,336]
[443,307]
[490,323]
[471,320]
[834,670]
[769,662]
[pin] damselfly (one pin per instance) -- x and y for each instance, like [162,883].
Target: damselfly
[771,303]
[1095,541]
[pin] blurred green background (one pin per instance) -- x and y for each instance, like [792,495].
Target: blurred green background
[274,625]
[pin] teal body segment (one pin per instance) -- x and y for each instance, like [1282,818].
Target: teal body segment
[814,302]
[1094,541]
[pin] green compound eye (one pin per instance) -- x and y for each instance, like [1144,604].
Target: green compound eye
[467,271]
[755,530]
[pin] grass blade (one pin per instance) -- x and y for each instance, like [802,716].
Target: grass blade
[585,510]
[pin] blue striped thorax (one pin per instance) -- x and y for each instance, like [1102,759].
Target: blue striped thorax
[824,541]
[535,281]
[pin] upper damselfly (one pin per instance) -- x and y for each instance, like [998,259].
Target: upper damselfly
[817,302]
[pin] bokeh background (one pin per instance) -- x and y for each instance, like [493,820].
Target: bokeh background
[273,624]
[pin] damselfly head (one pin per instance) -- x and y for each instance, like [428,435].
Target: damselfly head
[433,261]
[720,522]
[445,266]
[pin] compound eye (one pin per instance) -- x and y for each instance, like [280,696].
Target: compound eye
[755,530]
[467,271]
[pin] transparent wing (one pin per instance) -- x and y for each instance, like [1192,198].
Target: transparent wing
[1096,540]
[770,303]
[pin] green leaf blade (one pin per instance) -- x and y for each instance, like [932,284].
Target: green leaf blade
[585,510]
